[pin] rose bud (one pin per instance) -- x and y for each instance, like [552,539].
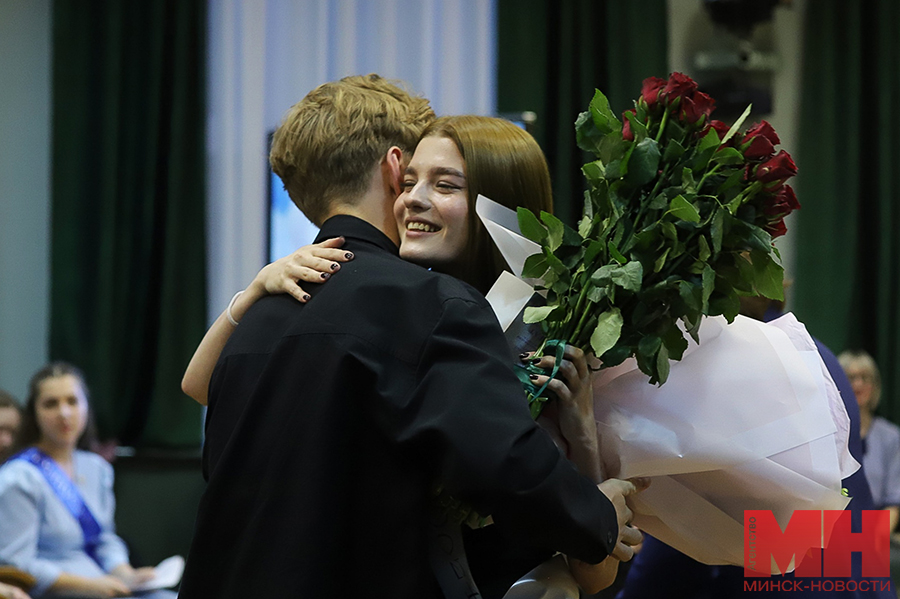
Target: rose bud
[789,198]
[777,169]
[762,128]
[650,91]
[776,229]
[720,127]
[627,134]
[678,85]
[695,109]
[757,148]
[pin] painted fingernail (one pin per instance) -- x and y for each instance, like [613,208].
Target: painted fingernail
[534,360]
[523,355]
[533,377]
[306,297]
[349,255]
[325,275]
[335,266]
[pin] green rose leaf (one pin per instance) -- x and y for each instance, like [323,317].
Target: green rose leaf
[607,331]
[604,118]
[661,260]
[594,249]
[595,294]
[555,230]
[703,247]
[603,275]
[675,342]
[530,226]
[629,276]
[737,124]
[615,253]
[681,208]
[709,283]
[662,365]
[716,230]
[728,156]
[535,314]
[768,275]
[584,226]
[593,171]
[535,266]
[587,136]
[638,128]
[674,151]
[644,162]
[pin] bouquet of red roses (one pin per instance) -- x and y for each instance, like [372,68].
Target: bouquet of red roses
[678,223]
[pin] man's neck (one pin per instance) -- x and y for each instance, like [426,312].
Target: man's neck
[375,206]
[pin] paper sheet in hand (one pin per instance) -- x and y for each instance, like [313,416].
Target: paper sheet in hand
[503,226]
[168,574]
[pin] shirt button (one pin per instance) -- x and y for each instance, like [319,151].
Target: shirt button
[610,538]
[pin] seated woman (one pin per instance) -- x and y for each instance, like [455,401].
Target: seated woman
[880,437]
[456,159]
[56,500]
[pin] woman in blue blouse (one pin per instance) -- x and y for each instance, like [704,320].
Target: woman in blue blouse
[56,500]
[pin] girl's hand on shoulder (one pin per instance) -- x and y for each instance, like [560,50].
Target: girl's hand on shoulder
[311,264]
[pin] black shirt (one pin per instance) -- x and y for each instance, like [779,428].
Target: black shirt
[330,422]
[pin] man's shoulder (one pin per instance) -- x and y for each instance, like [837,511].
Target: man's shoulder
[398,276]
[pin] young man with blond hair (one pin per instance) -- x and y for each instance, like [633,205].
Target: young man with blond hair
[331,422]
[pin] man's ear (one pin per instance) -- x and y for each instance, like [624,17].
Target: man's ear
[396,167]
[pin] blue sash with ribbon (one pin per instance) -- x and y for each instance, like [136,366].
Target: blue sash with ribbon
[70,496]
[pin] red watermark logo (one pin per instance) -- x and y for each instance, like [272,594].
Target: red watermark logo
[818,543]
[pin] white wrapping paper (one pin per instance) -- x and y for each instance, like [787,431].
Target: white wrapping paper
[748,419]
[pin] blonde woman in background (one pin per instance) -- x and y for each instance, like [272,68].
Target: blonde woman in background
[880,437]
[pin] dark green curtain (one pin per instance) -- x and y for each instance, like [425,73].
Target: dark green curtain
[552,54]
[848,256]
[128,245]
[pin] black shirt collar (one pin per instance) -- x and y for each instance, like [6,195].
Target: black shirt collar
[352,227]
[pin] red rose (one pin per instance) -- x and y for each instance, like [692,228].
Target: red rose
[679,85]
[720,127]
[776,229]
[776,169]
[694,109]
[758,148]
[764,129]
[777,206]
[650,90]
[626,125]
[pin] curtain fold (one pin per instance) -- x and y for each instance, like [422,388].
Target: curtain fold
[848,250]
[551,57]
[128,241]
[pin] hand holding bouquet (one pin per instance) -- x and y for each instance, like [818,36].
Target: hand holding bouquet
[678,223]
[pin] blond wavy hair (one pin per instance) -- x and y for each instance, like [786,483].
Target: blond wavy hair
[330,142]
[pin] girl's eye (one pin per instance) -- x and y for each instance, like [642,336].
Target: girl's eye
[409,184]
[448,186]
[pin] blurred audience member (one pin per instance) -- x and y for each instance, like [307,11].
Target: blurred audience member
[56,500]
[10,420]
[880,437]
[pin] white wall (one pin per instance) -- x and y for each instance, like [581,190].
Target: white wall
[690,28]
[24,190]
[265,55]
